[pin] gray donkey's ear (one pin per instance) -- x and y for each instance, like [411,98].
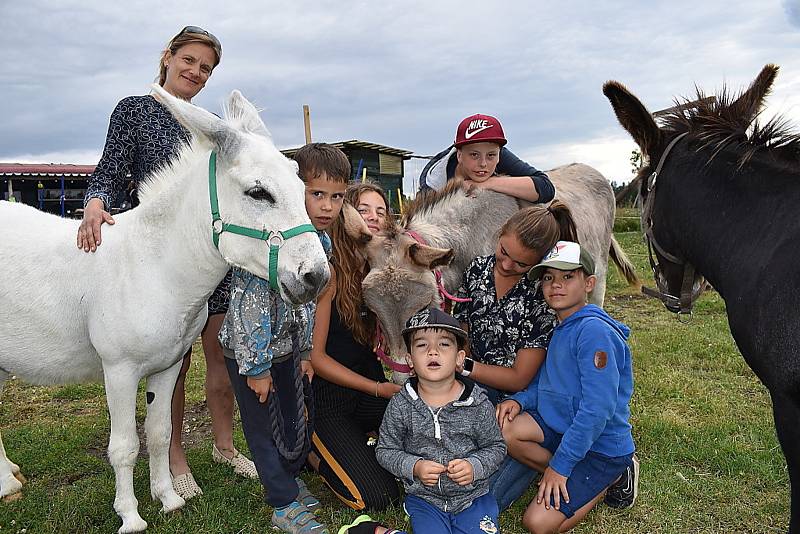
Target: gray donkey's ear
[354,225]
[239,111]
[201,123]
[430,257]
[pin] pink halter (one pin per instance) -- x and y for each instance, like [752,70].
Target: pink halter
[443,293]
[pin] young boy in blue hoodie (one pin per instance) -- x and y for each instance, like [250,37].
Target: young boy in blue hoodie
[572,424]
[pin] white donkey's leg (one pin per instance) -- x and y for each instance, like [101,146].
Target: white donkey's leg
[9,483]
[158,426]
[123,447]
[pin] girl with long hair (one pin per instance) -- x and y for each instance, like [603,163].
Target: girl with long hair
[350,388]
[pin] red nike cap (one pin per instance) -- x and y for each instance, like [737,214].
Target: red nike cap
[480,129]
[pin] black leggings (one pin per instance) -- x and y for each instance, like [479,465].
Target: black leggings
[347,463]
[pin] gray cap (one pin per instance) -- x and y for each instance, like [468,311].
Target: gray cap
[434,318]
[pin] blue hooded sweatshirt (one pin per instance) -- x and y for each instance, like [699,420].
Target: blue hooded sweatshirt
[584,388]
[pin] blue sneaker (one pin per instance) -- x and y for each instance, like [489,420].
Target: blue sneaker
[297,519]
[305,496]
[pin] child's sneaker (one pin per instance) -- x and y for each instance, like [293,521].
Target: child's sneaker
[305,496]
[364,524]
[622,493]
[297,519]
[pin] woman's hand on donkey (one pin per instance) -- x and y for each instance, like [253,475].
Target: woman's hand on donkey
[94,215]
[260,386]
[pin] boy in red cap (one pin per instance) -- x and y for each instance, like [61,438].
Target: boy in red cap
[479,157]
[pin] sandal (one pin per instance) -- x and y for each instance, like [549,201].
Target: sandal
[364,524]
[297,519]
[186,486]
[305,497]
[242,465]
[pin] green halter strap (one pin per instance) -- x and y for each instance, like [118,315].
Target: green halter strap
[274,239]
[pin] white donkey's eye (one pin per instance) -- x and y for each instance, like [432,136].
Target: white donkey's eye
[261,194]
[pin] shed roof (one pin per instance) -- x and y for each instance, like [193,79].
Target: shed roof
[355,143]
[45,169]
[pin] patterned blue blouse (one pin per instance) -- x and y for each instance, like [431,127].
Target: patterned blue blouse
[142,136]
[258,326]
[499,328]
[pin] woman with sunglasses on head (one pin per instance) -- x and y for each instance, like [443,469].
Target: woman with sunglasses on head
[142,137]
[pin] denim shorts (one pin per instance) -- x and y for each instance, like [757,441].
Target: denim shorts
[589,477]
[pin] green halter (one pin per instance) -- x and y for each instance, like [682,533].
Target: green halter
[274,239]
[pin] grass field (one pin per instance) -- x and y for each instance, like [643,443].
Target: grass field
[702,424]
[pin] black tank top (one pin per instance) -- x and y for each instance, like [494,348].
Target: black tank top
[342,347]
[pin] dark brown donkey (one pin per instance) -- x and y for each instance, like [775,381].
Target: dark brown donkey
[721,199]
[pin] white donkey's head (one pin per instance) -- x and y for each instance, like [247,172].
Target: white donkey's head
[258,195]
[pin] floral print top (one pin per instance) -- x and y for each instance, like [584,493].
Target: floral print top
[499,328]
[259,325]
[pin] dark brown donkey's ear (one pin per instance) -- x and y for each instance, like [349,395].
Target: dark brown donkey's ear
[634,117]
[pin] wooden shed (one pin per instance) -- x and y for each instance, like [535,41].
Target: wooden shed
[384,164]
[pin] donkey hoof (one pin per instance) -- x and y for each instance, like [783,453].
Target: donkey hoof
[172,503]
[134,524]
[10,488]
[20,477]
[13,497]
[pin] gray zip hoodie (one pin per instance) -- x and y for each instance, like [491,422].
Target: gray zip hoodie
[465,428]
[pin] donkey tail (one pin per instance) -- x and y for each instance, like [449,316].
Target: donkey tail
[624,264]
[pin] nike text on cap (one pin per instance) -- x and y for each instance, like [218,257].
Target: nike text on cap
[480,129]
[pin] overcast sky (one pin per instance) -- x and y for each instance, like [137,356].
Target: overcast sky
[397,73]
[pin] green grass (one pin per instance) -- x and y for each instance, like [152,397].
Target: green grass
[702,424]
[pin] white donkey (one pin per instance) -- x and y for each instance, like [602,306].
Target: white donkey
[132,309]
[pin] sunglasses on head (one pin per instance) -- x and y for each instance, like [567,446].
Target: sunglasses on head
[200,31]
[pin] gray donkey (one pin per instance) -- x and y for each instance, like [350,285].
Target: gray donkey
[454,227]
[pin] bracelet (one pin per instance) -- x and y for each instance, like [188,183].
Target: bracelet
[376,387]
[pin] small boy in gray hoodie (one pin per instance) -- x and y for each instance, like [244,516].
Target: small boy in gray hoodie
[439,434]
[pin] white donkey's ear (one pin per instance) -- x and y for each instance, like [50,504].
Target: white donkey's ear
[201,122]
[239,111]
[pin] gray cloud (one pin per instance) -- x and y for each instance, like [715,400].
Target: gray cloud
[401,74]
[792,10]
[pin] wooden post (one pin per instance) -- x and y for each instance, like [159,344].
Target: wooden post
[307,122]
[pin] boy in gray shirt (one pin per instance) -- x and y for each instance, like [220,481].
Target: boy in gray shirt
[439,434]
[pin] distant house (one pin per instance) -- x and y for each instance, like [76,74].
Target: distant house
[60,188]
[54,188]
[384,164]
